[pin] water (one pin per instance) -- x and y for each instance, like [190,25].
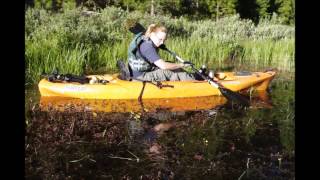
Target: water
[218,142]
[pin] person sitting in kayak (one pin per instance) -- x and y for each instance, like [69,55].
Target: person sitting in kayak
[145,62]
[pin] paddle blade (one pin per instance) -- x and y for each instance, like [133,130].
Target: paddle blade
[234,96]
[136,28]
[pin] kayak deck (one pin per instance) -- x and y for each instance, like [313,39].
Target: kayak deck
[121,89]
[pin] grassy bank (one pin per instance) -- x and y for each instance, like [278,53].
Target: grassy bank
[77,43]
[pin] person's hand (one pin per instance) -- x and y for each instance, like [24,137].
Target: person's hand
[216,79]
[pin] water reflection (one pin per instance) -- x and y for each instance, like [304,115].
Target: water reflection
[196,138]
[259,98]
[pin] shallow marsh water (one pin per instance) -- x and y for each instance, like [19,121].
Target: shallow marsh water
[223,142]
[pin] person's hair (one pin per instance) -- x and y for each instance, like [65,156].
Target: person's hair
[155,28]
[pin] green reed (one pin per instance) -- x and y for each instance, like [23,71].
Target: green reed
[269,53]
[255,54]
[75,43]
[42,58]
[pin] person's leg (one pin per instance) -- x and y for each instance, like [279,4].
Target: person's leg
[182,76]
[166,75]
[187,76]
[156,75]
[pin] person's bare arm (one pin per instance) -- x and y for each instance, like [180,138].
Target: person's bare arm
[166,65]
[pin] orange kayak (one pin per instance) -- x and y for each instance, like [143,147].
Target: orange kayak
[130,105]
[121,89]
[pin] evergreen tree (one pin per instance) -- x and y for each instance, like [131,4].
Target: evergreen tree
[263,6]
[57,5]
[229,7]
[172,7]
[220,8]
[248,9]
[194,9]
[286,10]
[202,9]
[29,3]
[272,7]
[129,4]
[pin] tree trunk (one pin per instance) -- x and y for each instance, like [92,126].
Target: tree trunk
[152,8]
[29,3]
[79,2]
[56,5]
[43,4]
[217,11]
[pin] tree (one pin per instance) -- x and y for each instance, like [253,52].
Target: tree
[29,3]
[172,7]
[286,10]
[57,4]
[79,2]
[248,9]
[129,4]
[220,8]
[263,6]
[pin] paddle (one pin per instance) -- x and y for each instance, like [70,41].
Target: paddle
[230,95]
[135,27]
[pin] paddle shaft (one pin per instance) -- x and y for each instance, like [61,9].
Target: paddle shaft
[214,84]
[229,94]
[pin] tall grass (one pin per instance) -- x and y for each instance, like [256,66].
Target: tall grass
[46,58]
[77,43]
[269,53]
[200,50]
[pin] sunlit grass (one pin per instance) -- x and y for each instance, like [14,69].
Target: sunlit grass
[77,44]
[269,53]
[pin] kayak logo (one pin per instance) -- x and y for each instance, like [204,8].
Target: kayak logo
[74,88]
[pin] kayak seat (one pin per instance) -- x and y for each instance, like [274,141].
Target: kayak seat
[125,73]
